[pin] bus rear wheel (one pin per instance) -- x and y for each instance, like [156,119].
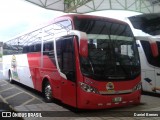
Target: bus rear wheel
[48,92]
[10,77]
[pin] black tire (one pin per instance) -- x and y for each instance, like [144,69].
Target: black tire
[48,93]
[10,77]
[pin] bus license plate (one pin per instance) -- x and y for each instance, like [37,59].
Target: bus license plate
[117,99]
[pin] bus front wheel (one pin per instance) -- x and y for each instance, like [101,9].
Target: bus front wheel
[48,92]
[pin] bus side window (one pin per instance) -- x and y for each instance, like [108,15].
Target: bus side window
[37,48]
[48,46]
[150,58]
[62,27]
[25,49]
[31,48]
[65,56]
[48,50]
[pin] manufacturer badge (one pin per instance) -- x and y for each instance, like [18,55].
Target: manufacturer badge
[110,86]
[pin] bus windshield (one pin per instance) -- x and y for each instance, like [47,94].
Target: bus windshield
[113,54]
[148,23]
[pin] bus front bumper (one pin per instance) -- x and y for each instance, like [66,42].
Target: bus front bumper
[97,101]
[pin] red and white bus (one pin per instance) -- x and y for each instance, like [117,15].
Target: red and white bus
[87,62]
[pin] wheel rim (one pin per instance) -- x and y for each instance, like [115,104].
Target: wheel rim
[48,92]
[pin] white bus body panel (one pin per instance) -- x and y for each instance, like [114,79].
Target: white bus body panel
[22,69]
[150,74]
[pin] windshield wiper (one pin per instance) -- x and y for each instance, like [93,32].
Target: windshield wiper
[90,62]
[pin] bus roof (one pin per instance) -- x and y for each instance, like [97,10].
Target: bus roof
[70,17]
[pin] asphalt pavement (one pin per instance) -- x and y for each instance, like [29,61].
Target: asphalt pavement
[15,98]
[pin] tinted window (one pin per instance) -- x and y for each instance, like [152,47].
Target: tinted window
[31,48]
[65,56]
[25,49]
[48,46]
[37,48]
[148,23]
[112,51]
[62,27]
[155,61]
[9,49]
[48,50]
[93,26]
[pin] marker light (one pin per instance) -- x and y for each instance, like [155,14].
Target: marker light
[137,87]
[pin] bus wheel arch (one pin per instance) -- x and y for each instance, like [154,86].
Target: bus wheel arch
[10,76]
[47,90]
[142,89]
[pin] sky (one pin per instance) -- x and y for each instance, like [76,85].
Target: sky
[19,16]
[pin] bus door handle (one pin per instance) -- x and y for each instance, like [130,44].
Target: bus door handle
[158,74]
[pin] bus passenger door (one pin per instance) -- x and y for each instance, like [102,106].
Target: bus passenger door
[156,64]
[157,70]
[66,64]
[157,75]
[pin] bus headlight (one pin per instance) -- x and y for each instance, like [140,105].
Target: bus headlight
[137,87]
[88,88]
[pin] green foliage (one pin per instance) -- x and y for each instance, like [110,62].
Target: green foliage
[0,55]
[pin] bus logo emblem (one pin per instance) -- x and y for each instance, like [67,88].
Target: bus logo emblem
[110,86]
[14,67]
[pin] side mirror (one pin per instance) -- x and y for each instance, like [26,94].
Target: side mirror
[154,48]
[153,44]
[83,47]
